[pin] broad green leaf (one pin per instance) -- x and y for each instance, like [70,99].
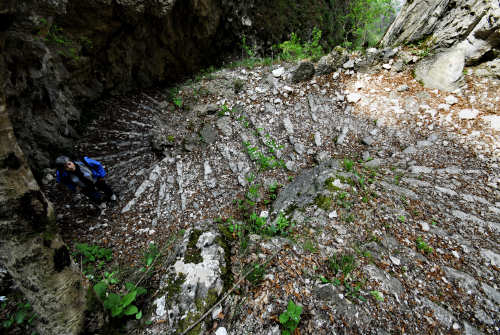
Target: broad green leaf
[129,286]
[100,289]
[284,318]
[127,299]
[20,315]
[141,290]
[116,311]
[131,309]
[111,301]
[138,316]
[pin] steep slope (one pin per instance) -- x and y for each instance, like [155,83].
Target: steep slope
[389,180]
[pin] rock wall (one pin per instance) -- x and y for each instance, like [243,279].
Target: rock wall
[60,56]
[458,33]
[29,243]
[474,24]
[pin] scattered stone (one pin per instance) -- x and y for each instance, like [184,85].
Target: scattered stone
[317,139]
[490,256]
[299,148]
[451,100]
[303,72]
[368,140]
[349,64]
[208,134]
[420,169]
[394,260]
[224,125]
[402,88]
[278,72]
[398,66]
[387,66]
[374,163]
[468,114]
[424,225]
[322,156]
[342,136]
[221,331]
[288,125]
[353,97]
[444,107]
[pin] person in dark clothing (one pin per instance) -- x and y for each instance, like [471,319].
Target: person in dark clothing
[86,176]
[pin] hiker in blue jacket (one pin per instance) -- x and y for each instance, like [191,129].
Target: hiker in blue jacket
[86,176]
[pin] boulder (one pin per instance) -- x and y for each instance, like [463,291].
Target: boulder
[443,71]
[192,284]
[331,62]
[469,27]
[303,72]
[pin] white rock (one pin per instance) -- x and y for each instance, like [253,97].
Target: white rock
[216,312]
[278,72]
[451,100]
[493,120]
[332,214]
[264,214]
[221,331]
[387,66]
[395,260]
[444,107]
[317,139]
[353,97]
[468,114]
[424,226]
[455,254]
[349,64]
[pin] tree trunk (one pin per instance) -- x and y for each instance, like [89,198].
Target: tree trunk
[30,249]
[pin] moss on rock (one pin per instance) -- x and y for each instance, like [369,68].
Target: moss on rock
[193,253]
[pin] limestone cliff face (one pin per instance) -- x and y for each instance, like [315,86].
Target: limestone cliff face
[33,254]
[474,25]
[58,56]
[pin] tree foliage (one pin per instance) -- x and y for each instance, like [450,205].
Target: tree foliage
[365,21]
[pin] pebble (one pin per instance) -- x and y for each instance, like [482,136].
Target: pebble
[368,140]
[468,114]
[451,100]
[402,88]
[424,226]
[353,97]
[278,72]
[394,260]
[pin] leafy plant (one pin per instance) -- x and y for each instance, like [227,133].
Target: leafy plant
[177,100]
[17,315]
[119,304]
[149,257]
[257,274]
[354,290]
[92,253]
[348,164]
[377,295]
[294,49]
[290,318]
[344,263]
[422,245]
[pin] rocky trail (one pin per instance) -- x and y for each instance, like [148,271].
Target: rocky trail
[389,194]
